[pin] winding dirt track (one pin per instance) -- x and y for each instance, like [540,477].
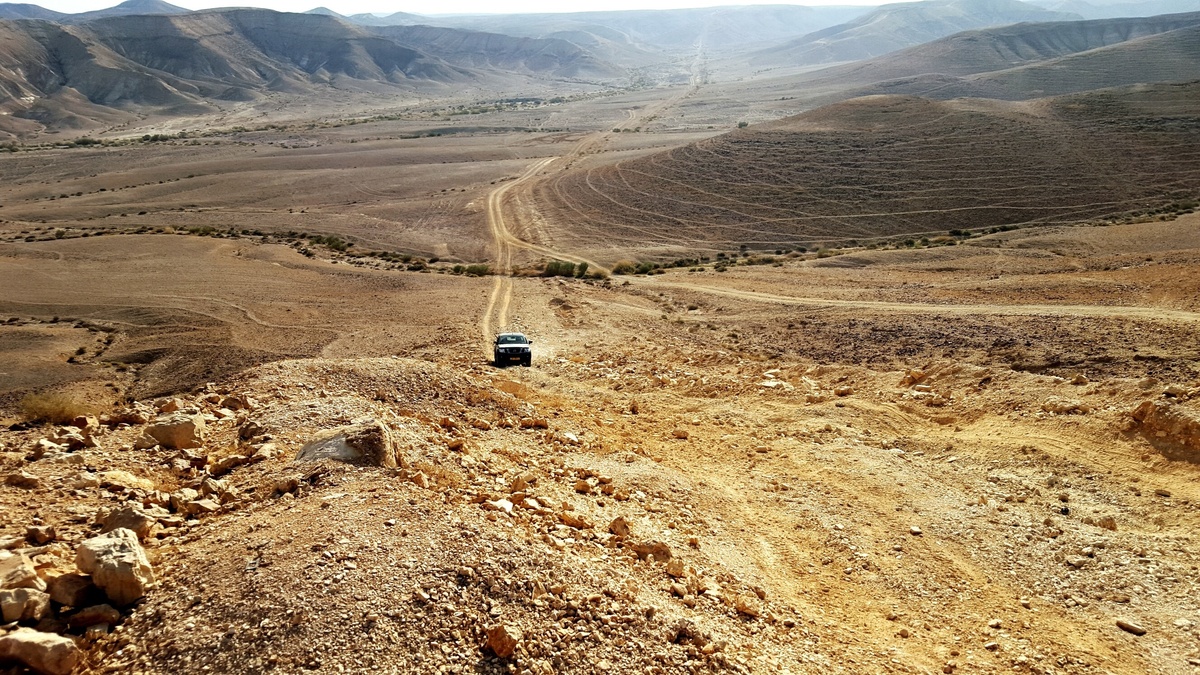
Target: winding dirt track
[505,242]
[1145,313]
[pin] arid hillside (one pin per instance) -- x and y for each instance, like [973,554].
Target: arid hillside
[1030,61]
[891,167]
[899,25]
[56,76]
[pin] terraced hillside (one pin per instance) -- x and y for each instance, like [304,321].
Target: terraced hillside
[893,166]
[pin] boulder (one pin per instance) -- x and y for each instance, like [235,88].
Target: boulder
[23,604]
[72,590]
[178,430]
[17,571]
[44,652]
[117,564]
[130,518]
[366,443]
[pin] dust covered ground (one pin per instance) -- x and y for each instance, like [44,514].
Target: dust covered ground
[917,461]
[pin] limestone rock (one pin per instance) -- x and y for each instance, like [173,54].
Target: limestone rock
[130,518]
[201,506]
[1169,421]
[117,565]
[181,499]
[1130,627]
[178,430]
[22,479]
[72,590]
[681,434]
[571,520]
[44,652]
[368,443]
[23,604]
[619,526]
[1063,406]
[40,534]
[94,616]
[145,442]
[250,429]
[17,571]
[675,568]
[748,606]
[125,480]
[238,402]
[502,640]
[654,550]
[227,464]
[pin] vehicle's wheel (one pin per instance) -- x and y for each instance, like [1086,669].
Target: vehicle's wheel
[527,361]
[496,361]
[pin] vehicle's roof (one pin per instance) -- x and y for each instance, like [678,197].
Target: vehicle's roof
[521,334]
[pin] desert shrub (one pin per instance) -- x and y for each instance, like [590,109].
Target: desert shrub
[52,408]
[581,270]
[559,268]
[478,270]
[625,267]
[743,125]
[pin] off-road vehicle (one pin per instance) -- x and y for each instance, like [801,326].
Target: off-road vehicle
[511,348]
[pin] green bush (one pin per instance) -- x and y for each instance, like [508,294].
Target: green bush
[559,268]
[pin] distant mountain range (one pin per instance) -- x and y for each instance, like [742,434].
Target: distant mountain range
[1100,9]
[896,26]
[63,74]
[1031,60]
[148,56]
[9,10]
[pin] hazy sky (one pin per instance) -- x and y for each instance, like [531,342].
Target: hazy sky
[440,7]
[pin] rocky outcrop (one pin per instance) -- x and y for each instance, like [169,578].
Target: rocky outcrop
[1167,421]
[367,443]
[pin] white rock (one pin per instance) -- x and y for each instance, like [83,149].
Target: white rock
[23,604]
[17,571]
[368,442]
[44,652]
[117,564]
[178,430]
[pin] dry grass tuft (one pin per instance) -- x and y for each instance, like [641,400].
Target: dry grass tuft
[53,408]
